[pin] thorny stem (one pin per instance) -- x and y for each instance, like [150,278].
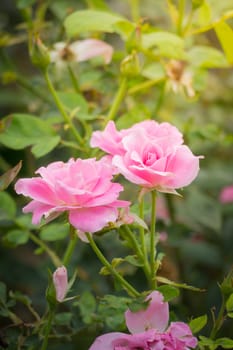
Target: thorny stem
[130,289]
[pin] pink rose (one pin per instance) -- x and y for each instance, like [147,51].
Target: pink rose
[83,188]
[226,195]
[60,282]
[148,328]
[149,154]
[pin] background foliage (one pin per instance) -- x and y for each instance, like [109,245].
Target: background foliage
[172,62]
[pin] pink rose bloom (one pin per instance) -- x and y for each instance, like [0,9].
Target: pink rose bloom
[83,188]
[60,282]
[226,195]
[149,154]
[148,330]
[82,50]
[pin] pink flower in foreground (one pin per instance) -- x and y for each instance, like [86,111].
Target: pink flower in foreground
[80,51]
[83,188]
[149,330]
[226,195]
[60,282]
[149,154]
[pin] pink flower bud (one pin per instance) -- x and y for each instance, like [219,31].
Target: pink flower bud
[60,281]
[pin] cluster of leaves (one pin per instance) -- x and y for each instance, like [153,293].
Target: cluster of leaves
[172,62]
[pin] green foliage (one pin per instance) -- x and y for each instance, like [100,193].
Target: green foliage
[54,232]
[22,130]
[198,323]
[90,20]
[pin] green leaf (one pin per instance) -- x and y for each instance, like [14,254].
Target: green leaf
[63,318]
[204,14]
[153,71]
[16,237]
[8,207]
[133,260]
[169,292]
[207,57]
[90,20]
[54,232]
[207,342]
[9,176]
[111,309]
[165,44]
[23,130]
[87,305]
[229,303]
[198,323]
[178,285]
[225,36]
[75,103]
[124,28]
[225,343]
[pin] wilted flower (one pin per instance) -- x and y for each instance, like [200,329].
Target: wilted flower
[82,188]
[80,51]
[149,330]
[60,282]
[179,77]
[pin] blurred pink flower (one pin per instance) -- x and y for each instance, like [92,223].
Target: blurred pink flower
[226,195]
[80,51]
[83,188]
[60,282]
[149,154]
[148,328]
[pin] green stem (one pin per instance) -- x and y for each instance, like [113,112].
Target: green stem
[130,289]
[141,230]
[135,11]
[70,248]
[117,100]
[59,105]
[145,85]
[142,257]
[152,239]
[73,78]
[181,17]
[47,329]
[219,320]
[161,97]
[55,259]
